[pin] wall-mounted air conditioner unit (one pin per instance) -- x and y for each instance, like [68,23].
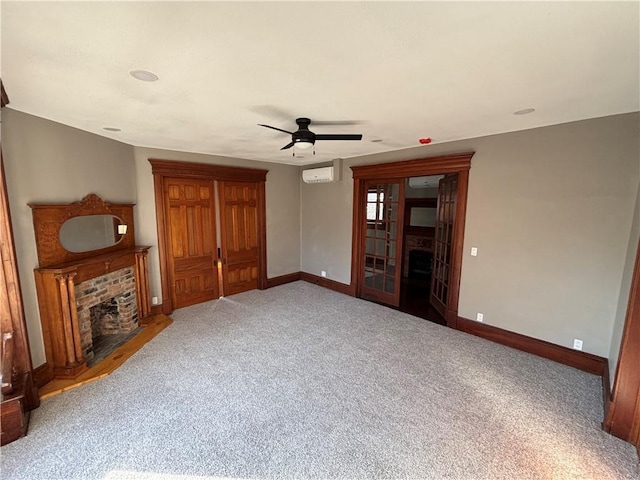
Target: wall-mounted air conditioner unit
[318,175]
[430,181]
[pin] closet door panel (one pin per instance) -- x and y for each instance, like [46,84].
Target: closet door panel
[189,204]
[239,228]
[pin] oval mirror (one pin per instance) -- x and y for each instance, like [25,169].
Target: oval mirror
[90,232]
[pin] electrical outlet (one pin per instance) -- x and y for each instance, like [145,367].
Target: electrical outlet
[154,300]
[480,317]
[474,251]
[577,344]
[323,273]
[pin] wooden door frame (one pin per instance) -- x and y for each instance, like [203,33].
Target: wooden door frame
[459,163]
[12,310]
[623,413]
[162,169]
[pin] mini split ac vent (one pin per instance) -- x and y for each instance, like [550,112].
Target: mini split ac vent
[318,175]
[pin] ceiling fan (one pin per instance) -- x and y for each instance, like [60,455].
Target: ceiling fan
[305,138]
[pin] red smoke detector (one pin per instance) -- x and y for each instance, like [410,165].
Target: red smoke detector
[424,141]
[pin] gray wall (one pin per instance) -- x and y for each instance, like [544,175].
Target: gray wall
[625,289]
[282,204]
[550,211]
[48,162]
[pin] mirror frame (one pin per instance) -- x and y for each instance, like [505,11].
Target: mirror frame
[48,219]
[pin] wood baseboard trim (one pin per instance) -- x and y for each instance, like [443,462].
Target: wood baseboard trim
[586,362]
[327,283]
[42,375]
[282,279]
[156,310]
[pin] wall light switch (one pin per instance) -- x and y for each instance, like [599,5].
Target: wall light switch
[474,251]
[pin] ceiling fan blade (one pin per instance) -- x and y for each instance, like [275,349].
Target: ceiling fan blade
[274,128]
[272,112]
[335,122]
[287,146]
[346,136]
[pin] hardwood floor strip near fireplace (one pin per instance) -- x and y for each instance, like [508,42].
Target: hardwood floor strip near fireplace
[111,362]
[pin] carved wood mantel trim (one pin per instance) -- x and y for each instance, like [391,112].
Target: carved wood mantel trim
[48,219]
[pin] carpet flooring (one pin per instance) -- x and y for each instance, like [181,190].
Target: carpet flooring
[301,382]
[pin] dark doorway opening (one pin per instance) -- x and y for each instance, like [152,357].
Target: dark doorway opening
[419,245]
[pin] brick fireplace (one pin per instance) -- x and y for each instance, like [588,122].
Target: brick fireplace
[106,305]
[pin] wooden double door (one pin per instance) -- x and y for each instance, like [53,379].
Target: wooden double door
[213,237]
[378,230]
[382,247]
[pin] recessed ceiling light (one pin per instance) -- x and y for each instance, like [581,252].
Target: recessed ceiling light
[376,140]
[112,129]
[526,111]
[143,75]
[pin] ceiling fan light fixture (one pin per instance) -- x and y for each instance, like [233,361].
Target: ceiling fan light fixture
[304,144]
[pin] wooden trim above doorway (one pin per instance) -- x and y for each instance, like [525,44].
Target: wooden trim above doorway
[177,169]
[415,168]
[173,168]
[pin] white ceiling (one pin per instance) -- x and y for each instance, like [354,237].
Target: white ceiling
[406,70]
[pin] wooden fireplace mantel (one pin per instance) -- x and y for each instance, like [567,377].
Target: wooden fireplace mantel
[58,309]
[61,271]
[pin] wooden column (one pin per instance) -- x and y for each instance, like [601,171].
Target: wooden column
[75,327]
[142,286]
[70,331]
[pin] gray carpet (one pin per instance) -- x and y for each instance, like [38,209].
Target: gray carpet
[302,382]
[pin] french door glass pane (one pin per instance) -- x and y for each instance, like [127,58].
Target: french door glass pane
[381,236]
